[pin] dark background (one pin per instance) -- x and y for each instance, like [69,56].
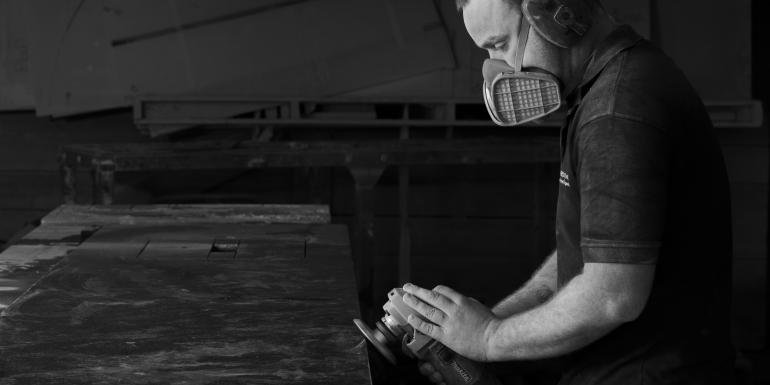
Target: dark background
[471,227]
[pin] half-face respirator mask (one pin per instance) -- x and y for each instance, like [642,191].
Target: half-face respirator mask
[514,96]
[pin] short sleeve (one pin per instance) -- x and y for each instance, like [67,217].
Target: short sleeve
[623,170]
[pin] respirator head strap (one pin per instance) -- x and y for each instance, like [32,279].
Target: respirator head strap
[521,44]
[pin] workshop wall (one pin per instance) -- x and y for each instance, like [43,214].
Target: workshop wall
[746,156]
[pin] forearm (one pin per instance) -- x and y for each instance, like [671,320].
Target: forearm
[601,298]
[539,289]
[531,295]
[571,320]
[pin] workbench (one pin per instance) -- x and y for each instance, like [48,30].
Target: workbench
[194,294]
[366,161]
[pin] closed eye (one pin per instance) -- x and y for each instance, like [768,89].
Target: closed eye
[496,43]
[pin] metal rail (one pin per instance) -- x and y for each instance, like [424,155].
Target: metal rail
[160,116]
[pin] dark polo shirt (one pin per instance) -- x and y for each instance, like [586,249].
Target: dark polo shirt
[643,182]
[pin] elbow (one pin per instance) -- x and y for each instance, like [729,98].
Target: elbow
[624,309]
[620,290]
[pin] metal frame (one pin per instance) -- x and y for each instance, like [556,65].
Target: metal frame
[158,116]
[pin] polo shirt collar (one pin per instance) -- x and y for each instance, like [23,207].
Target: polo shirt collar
[620,39]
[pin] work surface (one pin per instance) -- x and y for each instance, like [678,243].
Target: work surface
[191,303]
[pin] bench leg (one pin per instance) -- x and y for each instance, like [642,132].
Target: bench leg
[365,178]
[104,182]
[69,187]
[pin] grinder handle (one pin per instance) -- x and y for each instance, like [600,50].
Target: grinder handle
[456,369]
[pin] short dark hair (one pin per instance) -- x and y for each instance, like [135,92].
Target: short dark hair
[460,4]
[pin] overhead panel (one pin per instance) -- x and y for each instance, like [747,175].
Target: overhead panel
[107,52]
[71,60]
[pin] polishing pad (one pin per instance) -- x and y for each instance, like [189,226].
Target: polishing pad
[377,339]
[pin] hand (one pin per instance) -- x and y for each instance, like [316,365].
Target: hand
[427,370]
[459,322]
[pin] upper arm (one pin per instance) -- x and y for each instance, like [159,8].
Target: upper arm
[623,172]
[621,290]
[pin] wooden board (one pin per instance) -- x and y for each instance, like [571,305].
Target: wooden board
[18,220]
[192,213]
[153,304]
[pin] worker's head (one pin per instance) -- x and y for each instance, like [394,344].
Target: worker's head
[502,28]
[494,24]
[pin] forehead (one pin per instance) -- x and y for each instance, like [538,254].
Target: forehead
[487,18]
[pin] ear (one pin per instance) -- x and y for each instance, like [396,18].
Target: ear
[561,22]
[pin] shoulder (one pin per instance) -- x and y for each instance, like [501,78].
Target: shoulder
[639,84]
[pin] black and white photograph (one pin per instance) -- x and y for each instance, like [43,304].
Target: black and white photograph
[384,192]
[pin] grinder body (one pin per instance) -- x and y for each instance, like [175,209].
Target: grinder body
[394,329]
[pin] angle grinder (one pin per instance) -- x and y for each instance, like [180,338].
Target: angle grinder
[394,329]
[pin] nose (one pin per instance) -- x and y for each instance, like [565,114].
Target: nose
[496,55]
[507,57]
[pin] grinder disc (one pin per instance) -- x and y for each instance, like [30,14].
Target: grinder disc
[371,335]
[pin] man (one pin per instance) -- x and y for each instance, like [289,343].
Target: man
[637,291]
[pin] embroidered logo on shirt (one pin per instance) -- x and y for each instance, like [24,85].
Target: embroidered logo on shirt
[564,179]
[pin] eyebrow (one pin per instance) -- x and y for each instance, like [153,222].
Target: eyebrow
[490,41]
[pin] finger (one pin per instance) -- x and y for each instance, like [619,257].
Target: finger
[431,297]
[426,369]
[429,312]
[427,328]
[448,292]
[436,378]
